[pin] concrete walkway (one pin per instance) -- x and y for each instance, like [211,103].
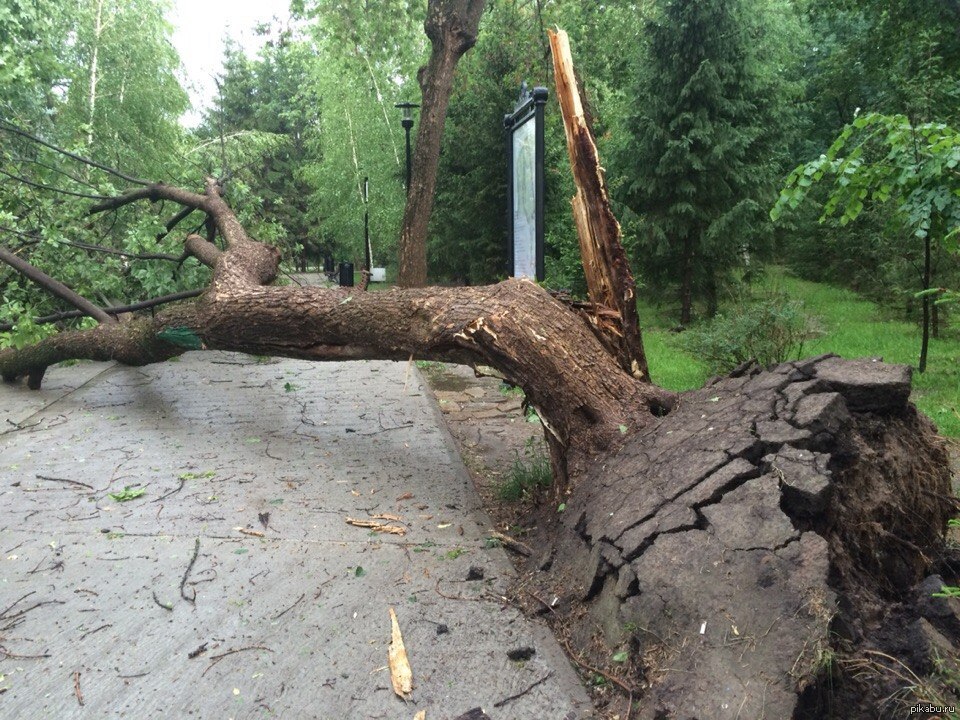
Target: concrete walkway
[161,606]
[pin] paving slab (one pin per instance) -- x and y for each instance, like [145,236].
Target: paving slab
[233,586]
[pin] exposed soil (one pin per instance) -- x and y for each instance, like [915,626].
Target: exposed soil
[492,430]
[877,577]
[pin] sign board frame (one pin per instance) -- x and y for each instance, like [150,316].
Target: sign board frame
[526,184]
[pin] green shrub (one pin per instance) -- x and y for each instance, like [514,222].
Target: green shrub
[769,330]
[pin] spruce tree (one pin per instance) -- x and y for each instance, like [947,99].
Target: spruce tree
[699,157]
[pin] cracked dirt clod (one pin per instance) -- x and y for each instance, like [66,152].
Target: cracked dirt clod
[770,509]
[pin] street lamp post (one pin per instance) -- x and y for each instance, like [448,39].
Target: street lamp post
[407,123]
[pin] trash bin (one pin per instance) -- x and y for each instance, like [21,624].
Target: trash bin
[346,274]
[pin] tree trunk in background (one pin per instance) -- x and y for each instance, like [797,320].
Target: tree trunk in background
[925,341]
[686,282]
[452,28]
[94,76]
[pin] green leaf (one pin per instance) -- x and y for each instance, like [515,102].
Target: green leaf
[181,337]
[359,572]
[128,493]
[620,657]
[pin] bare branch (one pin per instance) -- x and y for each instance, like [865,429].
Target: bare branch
[122,253]
[51,188]
[174,221]
[116,310]
[54,287]
[152,192]
[86,161]
[204,251]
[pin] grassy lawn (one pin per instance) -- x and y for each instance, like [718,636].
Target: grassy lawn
[852,328]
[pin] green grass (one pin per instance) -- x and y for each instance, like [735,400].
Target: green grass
[527,474]
[852,328]
[671,367]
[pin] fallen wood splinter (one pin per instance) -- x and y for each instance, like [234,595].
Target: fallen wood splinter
[254,533]
[377,526]
[400,673]
[76,687]
[387,516]
[512,544]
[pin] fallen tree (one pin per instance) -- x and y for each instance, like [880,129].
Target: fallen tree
[731,541]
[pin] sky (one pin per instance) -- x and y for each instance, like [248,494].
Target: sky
[200,27]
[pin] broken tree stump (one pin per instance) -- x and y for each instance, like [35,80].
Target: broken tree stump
[770,522]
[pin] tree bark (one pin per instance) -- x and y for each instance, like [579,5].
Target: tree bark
[586,401]
[686,282]
[925,339]
[452,27]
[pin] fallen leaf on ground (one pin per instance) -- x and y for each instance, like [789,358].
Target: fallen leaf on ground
[406,496]
[400,672]
[255,533]
[387,516]
[422,715]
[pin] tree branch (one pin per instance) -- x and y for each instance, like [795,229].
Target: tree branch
[50,188]
[55,287]
[174,221]
[203,250]
[86,161]
[122,253]
[152,192]
[78,180]
[135,343]
[116,310]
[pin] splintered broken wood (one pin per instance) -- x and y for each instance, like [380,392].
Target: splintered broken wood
[400,673]
[610,283]
[377,526]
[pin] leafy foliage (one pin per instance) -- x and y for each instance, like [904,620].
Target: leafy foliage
[887,160]
[768,331]
[105,88]
[127,494]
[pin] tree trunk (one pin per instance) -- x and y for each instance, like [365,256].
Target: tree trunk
[925,340]
[758,530]
[452,28]
[711,294]
[686,282]
[94,73]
